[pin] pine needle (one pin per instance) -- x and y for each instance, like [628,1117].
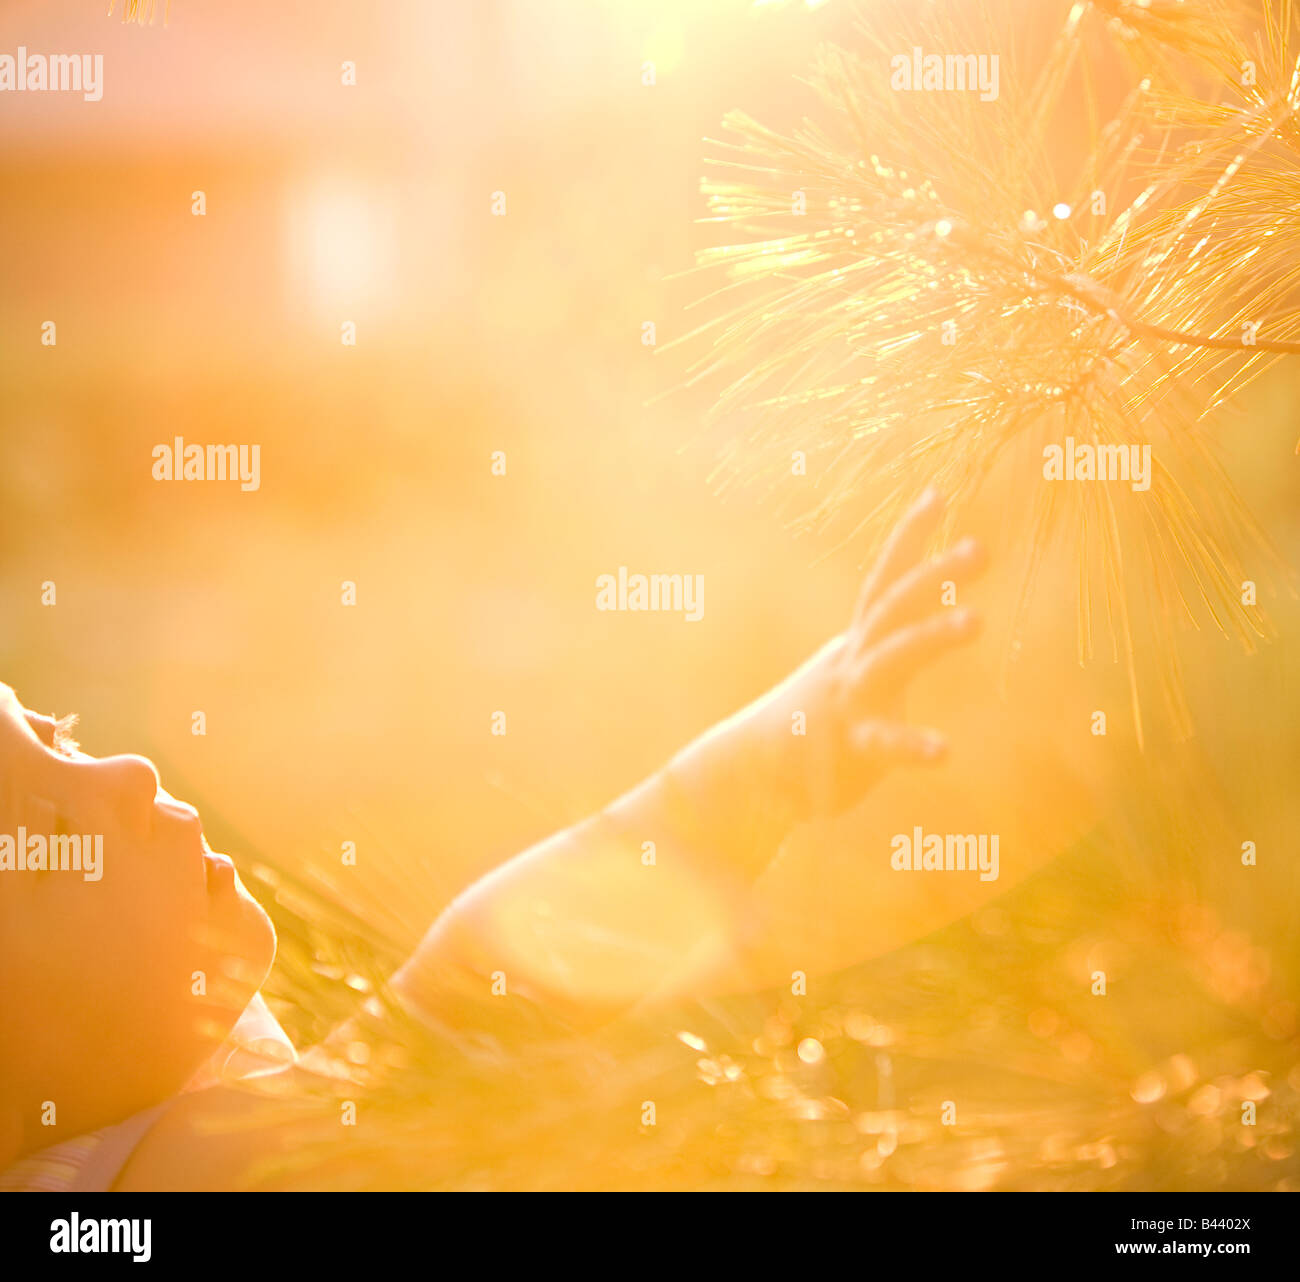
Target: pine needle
[141,12]
[938,304]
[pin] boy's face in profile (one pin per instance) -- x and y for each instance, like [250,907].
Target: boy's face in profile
[121,975]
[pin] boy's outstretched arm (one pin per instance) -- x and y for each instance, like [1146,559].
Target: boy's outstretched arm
[650,897]
[583,924]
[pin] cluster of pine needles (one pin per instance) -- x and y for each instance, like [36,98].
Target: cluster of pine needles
[141,12]
[916,288]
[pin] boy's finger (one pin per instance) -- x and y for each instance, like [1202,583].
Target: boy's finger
[916,594]
[904,548]
[889,666]
[882,744]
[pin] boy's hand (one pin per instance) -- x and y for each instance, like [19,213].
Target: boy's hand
[581,925]
[851,692]
[753,778]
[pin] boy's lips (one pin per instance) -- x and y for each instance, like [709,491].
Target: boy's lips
[218,869]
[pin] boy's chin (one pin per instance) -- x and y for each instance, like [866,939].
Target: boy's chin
[239,940]
[257,936]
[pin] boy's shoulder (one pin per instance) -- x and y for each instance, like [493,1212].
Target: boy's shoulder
[231,1137]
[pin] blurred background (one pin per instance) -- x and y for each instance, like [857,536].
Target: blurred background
[476,333]
[523,334]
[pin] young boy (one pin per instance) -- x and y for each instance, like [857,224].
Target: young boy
[132,956]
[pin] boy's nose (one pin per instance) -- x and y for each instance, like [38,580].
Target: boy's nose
[132,783]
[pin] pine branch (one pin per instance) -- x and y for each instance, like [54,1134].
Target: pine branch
[920,215]
[141,12]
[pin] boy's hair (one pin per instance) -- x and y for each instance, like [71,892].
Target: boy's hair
[64,740]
